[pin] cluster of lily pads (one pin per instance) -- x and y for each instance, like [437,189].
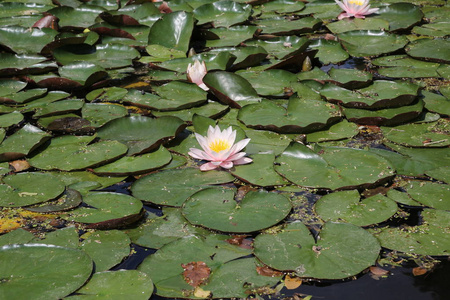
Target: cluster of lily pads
[347,121]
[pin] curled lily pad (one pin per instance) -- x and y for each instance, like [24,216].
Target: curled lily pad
[351,248]
[32,268]
[24,189]
[429,238]
[107,210]
[419,135]
[161,188]
[371,42]
[327,167]
[301,115]
[218,209]
[222,13]
[141,134]
[70,199]
[69,153]
[122,283]
[346,206]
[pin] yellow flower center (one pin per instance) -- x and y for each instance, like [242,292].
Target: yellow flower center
[357,2]
[219,145]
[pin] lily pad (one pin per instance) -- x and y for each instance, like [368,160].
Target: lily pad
[347,24]
[117,284]
[349,247]
[329,51]
[328,167]
[283,46]
[346,206]
[431,194]
[271,82]
[177,95]
[134,165]
[400,16]
[32,268]
[399,66]
[156,232]
[161,188]
[433,134]
[69,153]
[141,134]
[218,209]
[17,236]
[70,199]
[441,174]
[300,116]
[229,37]
[371,42]
[106,210]
[98,114]
[26,40]
[25,189]
[222,13]
[421,49]
[283,26]
[260,172]
[335,132]
[430,238]
[10,119]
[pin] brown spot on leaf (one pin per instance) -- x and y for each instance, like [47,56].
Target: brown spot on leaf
[268,271]
[195,273]
[239,240]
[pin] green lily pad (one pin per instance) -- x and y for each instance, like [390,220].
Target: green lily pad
[177,95]
[335,132]
[282,6]
[384,117]
[134,165]
[32,268]
[210,110]
[229,37]
[117,284]
[348,24]
[349,247]
[329,51]
[12,64]
[108,94]
[164,267]
[400,66]
[434,29]
[351,78]
[141,134]
[70,199]
[300,116]
[213,61]
[106,248]
[266,142]
[245,56]
[217,209]
[84,73]
[283,26]
[381,94]
[230,88]
[25,189]
[430,238]
[400,16]
[69,153]
[260,172]
[11,86]
[26,40]
[159,231]
[222,13]
[98,114]
[433,134]
[346,206]
[23,96]
[442,174]
[271,82]
[160,53]
[173,30]
[402,198]
[371,42]
[421,49]
[282,47]
[10,119]
[321,9]
[106,210]
[107,56]
[82,16]
[328,167]
[174,192]
[431,194]
[17,236]
[59,108]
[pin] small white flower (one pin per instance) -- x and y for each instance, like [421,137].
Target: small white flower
[220,149]
[355,8]
[196,72]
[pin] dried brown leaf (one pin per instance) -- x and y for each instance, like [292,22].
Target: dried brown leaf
[292,283]
[195,273]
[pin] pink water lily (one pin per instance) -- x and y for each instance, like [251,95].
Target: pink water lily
[196,72]
[355,8]
[220,149]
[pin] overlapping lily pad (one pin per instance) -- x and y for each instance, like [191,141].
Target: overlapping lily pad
[222,13]
[351,248]
[421,49]
[327,167]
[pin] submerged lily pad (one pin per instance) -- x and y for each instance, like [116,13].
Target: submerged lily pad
[346,206]
[32,268]
[349,247]
[218,209]
[328,167]
[173,187]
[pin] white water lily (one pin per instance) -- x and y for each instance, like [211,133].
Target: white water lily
[355,8]
[219,149]
[196,72]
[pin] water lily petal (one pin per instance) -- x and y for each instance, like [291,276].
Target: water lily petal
[208,166]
